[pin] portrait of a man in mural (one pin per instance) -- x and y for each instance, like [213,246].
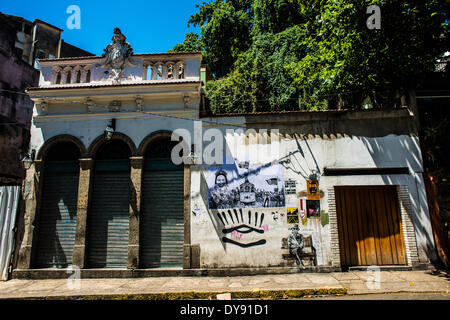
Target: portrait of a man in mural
[221,197]
[296,244]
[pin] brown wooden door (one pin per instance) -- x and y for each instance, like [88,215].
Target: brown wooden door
[369,225]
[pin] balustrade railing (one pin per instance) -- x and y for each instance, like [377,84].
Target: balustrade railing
[164,71]
[71,74]
[81,73]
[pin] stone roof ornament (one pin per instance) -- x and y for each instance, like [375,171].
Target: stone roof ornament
[117,56]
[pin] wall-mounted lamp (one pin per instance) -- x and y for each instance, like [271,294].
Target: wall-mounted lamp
[110,129]
[28,160]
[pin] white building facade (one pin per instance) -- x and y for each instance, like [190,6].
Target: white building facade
[295,190]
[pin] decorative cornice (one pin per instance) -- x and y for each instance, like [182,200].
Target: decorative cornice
[91,85]
[114,106]
[191,113]
[89,105]
[138,100]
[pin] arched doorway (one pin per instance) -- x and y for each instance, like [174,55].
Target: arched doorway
[57,214]
[108,217]
[162,219]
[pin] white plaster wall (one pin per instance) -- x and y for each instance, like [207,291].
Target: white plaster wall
[87,130]
[69,116]
[192,69]
[46,76]
[306,157]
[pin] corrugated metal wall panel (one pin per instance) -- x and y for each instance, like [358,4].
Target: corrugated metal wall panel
[162,224]
[9,200]
[108,220]
[57,220]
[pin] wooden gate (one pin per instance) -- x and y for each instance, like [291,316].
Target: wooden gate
[369,225]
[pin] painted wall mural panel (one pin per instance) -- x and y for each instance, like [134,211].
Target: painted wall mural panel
[302,208]
[313,208]
[252,221]
[243,228]
[244,186]
[292,215]
[242,237]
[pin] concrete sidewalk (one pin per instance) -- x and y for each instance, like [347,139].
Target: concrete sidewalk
[258,286]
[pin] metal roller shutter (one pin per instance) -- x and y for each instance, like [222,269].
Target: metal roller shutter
[162,224]
[57,218]
[108,219]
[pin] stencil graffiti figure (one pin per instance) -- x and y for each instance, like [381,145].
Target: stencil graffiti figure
[237,225]
[275,216]
[296,244]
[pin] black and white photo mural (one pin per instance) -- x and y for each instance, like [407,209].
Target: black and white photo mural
[240,185]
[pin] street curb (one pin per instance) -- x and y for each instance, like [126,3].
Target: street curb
[208,295]
[400,292]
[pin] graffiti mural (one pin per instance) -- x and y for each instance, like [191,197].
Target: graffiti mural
[238,225]
[301,247]
[313,208]
[292,214]
[290,186]
[296,245]
[252,209]
[198,216]
[275,216]
[302,208]
[244,186]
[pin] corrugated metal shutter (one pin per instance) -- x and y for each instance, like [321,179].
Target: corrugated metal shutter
[9,200]
[108,219]
[57,217]
[162,224]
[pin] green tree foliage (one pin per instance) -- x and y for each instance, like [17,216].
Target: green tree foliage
[275,15]
[225,28]
[269,55]
[191,43]
[260,81]
[346,62]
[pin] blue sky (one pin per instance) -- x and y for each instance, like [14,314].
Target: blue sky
[150,26]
